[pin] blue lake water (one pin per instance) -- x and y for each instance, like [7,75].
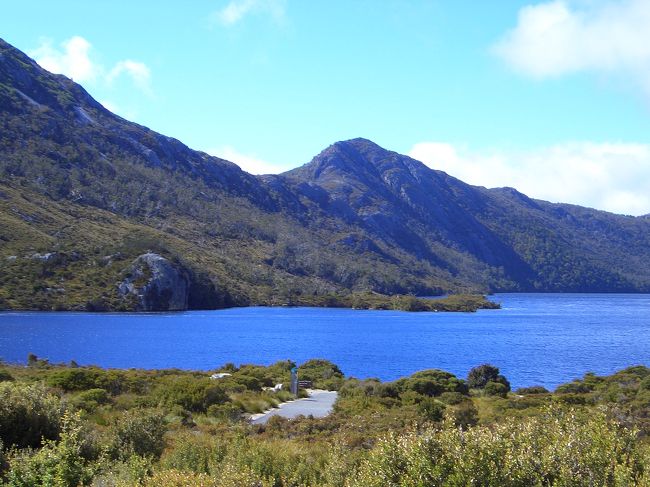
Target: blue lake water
[544,339]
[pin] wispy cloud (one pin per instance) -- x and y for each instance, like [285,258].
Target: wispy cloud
[139,73]
[236,10]
[249,163]
[607,176]
[560,37]
[75,59]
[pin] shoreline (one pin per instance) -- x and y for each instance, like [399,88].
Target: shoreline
[454,303]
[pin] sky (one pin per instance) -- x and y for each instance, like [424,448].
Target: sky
[549,97]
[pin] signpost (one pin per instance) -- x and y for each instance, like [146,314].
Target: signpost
[294,381]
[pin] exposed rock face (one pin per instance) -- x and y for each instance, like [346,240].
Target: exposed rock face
[157,284]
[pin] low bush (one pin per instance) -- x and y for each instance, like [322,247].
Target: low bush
[5,376]
[432,383]
[532,390]
[191,393]
[139,432]
[559,447]
[57,464]
[496,389]
[74,379]
[322,373]
[28,415]
[91,399]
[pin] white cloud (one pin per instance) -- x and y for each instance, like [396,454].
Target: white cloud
[560,37]
[236,10]
[75,60]
[249,163]
[139,73]
[613,177]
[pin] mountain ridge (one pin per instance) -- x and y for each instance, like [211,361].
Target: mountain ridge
[357,217]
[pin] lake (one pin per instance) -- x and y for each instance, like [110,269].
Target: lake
[544,339]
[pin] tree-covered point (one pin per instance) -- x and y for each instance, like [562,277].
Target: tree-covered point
[398,302]
[72,425]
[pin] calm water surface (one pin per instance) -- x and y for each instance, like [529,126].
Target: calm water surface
[542,339]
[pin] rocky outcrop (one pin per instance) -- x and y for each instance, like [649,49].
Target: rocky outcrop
[156,284]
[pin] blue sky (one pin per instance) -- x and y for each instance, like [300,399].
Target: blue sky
[551,97]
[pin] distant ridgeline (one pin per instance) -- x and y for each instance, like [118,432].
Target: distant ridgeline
[100,213]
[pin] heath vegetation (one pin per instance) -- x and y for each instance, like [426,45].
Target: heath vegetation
[66,425]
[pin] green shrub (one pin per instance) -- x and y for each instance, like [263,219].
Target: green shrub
[495,389]
[176,478]
[28,414]
[193,453]
[532,390]
[558,447]
[133,471]
[570,398]
[74,379]
[5,376]
[3,460]
[323,373]
[92,398]
[191,393]
[452,398]
[226,412]
[248,382]
[139,432]
[463,414]
[432,383]
[254,403]
[430,409]
[56,464]
[576,387]
[115,382]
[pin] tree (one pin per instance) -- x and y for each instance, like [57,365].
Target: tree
[479,377]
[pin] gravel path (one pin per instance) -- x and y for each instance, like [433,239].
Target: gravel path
[318,404]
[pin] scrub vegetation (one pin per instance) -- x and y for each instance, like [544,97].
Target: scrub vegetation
[66,425]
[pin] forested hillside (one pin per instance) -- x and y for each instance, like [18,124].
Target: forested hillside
[97,212]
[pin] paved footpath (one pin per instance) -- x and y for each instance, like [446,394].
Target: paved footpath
[318,404]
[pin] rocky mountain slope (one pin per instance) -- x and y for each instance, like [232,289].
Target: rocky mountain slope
[497,237]
[90,203]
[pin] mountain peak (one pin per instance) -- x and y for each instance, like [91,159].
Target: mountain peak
[357,158]
[357,143]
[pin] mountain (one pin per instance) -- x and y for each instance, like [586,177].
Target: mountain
[97,212]
[498,238]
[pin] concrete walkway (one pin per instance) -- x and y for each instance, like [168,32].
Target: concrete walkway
[319,404]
